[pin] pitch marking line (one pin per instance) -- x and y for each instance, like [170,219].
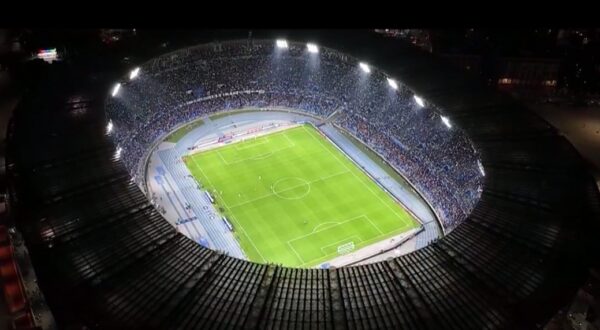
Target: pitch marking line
[373,224]
[368,188]
[238,224]
[324,223]
[263,140]
[296,253]
[304,183]
[363,216]
[285,135]
[284,190]
[262,156]
[231,215]
[366,243]
[257,157]
[265,155]
[320,230]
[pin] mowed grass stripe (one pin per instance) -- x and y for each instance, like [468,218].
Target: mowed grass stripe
[291,184]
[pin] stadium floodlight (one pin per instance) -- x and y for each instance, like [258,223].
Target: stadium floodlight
[281,43]
[115,89]
[312,48]
[364,67]
[419,101]
[480,167]
[392,83]
[134,73]
[446,121]
[109,127]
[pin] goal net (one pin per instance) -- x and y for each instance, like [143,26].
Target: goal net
[345,248]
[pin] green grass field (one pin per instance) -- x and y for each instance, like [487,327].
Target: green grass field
[294,198]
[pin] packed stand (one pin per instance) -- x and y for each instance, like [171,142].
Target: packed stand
[184,85]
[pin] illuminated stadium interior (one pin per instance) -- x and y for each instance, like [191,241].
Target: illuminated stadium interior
[435,176]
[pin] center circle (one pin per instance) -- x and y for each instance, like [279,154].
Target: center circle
[291,188]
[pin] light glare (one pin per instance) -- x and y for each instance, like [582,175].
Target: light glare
[134,73]
[364,67]
[446,121]
[281,43]
[419,101]
[392,83]
[312,48]
[116,89]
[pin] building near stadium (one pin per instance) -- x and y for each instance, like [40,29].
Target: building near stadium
[306,181]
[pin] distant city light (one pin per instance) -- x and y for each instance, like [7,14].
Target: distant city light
[419,101]
[312,48]
[446,121]
[392,83]
[109,127]
[48,55]
[116,89]
[281,43]
[134,73]
[364,67]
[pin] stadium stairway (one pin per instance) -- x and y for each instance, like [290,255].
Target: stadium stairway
[428,235]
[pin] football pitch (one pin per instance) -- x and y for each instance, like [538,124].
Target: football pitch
[294,199]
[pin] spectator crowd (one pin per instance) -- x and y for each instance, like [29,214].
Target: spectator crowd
[178,87]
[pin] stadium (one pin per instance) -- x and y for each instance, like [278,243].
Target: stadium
[305,179]
[254,120]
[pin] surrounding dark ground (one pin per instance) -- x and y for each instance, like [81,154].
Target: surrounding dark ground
[581,126]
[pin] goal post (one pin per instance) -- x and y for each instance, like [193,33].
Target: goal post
[345,248]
